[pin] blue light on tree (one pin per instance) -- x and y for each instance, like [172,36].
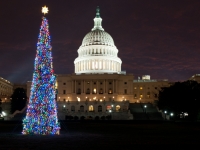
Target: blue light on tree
[41,115]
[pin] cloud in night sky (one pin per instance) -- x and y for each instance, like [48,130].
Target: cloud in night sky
[157,38]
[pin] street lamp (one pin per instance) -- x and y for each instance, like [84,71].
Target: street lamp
[64,107]
[165,114]
[145,107]
[112,107]
[171,115]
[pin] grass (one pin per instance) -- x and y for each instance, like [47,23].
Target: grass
[104,135]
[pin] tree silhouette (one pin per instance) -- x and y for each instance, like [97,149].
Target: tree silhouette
[181,97]
[18,99]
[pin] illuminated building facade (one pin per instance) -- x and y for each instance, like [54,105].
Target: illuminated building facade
[6,89]
[99,88]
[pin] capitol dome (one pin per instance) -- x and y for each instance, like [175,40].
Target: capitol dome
[97,53]
[98,37]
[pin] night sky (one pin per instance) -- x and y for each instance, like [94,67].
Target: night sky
[160,38]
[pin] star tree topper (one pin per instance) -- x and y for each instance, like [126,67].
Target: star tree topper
[45,10]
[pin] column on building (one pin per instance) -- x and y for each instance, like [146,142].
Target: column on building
[86,64]
[79,66]
[116,86]
[82,89]
[90,64]
[113,87]
[97,87]
[91,87]
[84,86]
[105,86]
[75,86]
[72,87]
[99,64]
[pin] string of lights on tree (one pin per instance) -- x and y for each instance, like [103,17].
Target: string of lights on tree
[41,116]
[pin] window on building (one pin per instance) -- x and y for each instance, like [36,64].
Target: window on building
[100,82]
[108,107]
[91,108]
[88,82]
[110,82]
[64,99]
[79,83]
[99,108]
[81,108]
[141,95]
[141,88]
[156,95]
[155,87]
[95,91]
[135,88]
[64,92]
[148,94]
[73,108]
[117,108]
[135,95]
[94,82]
[110,91]
[101,91]
[88,91]
[125,91]
[79,91]
[125,82]
[64,83]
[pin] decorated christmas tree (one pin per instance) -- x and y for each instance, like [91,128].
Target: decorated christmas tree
[41,115]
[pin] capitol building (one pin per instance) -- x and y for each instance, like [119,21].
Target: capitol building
[99,88]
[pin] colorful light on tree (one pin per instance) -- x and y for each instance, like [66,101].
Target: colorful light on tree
[41,115]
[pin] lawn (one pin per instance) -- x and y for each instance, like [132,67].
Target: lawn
[104,135]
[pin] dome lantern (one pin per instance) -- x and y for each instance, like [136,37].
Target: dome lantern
[97,21]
